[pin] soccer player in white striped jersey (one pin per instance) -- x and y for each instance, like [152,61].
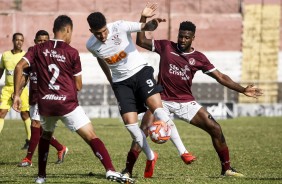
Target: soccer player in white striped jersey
[129,74]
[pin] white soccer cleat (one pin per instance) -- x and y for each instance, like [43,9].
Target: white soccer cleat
[40,179]
[118,177]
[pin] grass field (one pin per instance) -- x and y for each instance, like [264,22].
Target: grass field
[254,143]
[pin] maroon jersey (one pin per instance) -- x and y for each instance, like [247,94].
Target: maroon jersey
[56,63]
[31,72]
[177,69]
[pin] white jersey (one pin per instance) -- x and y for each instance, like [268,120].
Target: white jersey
[119,51]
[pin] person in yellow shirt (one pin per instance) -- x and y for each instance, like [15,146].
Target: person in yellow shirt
[8,62]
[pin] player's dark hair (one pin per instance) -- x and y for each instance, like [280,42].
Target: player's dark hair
[61,22]
[96,20]
[41,33]
[187,26]
[15,35]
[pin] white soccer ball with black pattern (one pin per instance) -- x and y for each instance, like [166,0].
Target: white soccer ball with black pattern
[159,132]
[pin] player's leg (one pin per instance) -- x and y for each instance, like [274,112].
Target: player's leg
[3,113]
[5,104]
[25,116]
[79,122]
[135,149]
[36,131]
[48,125]
[129,106]
[205,121]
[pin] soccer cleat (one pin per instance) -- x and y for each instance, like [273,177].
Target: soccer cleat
[231,172]
[188,158]
[40,179]
[62,154]
[25,163]
[150,165]
[26,145]
[126,173]
[118,177]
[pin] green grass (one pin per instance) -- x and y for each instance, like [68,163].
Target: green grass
[254,143]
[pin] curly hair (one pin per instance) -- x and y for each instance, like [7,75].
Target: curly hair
[188,26]
[96,20]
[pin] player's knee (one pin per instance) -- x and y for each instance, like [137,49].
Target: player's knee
[214,127]
[35,124]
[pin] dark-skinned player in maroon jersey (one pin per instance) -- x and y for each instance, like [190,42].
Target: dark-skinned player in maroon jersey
[178,64]
[59,80]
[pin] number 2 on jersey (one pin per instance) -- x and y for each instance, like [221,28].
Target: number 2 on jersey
[56,73]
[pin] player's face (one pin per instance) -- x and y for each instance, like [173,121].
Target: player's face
[184,40]
[41,39]
[101,34]
[18,42]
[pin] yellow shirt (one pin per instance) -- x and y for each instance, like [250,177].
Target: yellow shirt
[8,63]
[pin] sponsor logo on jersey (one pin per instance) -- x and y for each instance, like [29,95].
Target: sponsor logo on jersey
[174,70]
[54,54]
[116,58]
[54,97]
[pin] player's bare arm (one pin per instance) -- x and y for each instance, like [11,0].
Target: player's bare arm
[78,82]
[141,39]
[226,81]
[105,69]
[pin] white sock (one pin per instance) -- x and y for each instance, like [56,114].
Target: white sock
[160,114]
[139,137]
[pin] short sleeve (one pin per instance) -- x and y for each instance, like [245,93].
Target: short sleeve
[30,55]
[76,65]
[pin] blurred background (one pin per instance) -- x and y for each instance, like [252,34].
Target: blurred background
[242,38]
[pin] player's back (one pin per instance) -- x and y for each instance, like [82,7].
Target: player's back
[56,65]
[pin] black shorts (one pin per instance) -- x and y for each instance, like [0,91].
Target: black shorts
[132,93]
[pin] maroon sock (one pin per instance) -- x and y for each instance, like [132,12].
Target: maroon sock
[101,153]
[56,144]
[43,151]
[34,139]
[224,158]
[132,156]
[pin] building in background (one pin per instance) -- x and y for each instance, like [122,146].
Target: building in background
[241,38]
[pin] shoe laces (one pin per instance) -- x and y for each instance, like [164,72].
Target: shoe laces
[26,160]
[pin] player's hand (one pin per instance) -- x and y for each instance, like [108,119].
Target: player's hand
[252,91]
[149,10]
[17,103]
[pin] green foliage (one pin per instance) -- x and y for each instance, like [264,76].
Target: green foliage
[254,144]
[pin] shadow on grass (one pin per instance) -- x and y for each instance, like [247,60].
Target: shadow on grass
[249,178]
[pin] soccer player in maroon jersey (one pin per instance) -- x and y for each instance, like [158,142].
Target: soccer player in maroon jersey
[59,80]
[178,64]
[36,130]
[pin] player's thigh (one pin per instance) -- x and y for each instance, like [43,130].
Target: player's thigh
[146,84]
[24,99]
[75,119]
[6,100]
[48,123]
[125,97]
[204,120]
[185,111]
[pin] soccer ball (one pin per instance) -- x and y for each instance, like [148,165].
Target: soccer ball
[159,132]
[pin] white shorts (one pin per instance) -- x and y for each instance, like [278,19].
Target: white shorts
[73,120]
[185,111]
[33,111]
